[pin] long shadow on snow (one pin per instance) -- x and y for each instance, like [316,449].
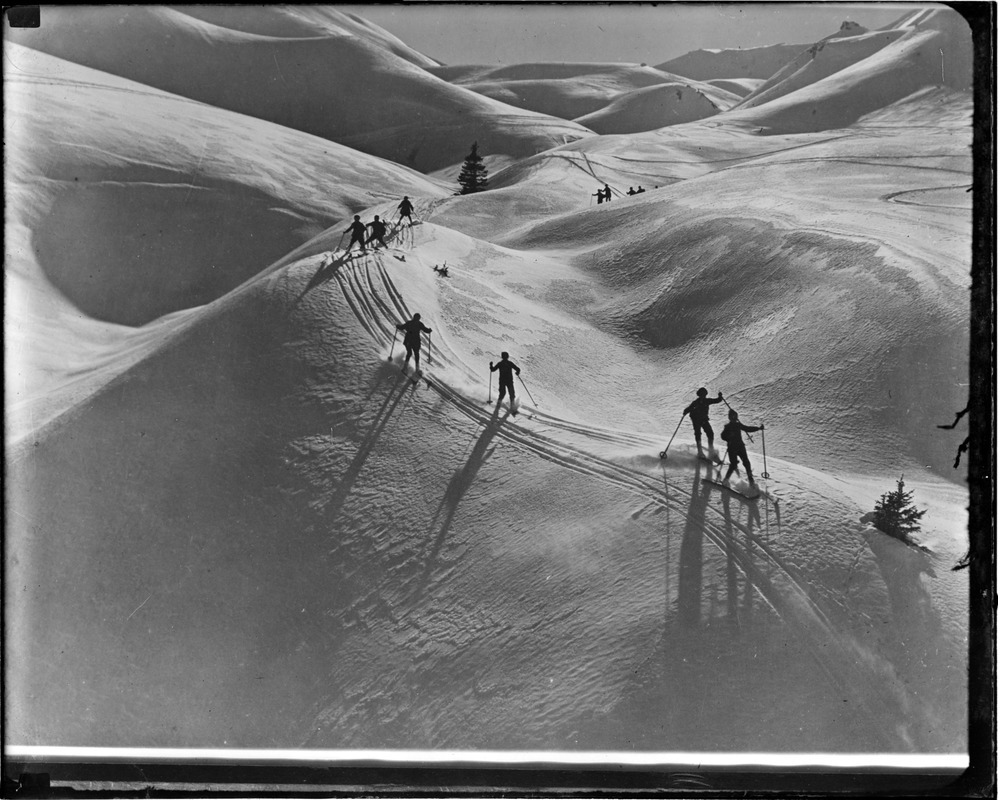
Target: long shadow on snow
[460,482]
[395,395]
[327,271]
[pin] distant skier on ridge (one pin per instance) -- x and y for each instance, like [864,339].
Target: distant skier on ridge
[732,434]
[506,368]
[357,231]
[378,230]
[699,411]
[405,209]
[412,341]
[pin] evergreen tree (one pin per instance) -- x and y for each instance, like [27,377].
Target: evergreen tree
[474,175]
[895,515]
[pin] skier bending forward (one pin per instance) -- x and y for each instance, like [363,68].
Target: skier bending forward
[732,434]
[412,340]
[506,368]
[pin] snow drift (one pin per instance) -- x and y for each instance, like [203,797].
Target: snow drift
[654,107]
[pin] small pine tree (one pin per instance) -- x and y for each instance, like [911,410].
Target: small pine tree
[895,515]
[474,175]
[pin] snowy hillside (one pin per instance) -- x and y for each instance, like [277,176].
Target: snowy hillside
[236,521]
[417,120]
[748,63]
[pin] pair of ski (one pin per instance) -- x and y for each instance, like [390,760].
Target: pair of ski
[741,487]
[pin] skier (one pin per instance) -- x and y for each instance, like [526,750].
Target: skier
[405,209]
[356,230]
[699,411]
[606,192]
[506,368]
[377,232]
[732,434]
[412,341]
[598,196]
[639,191]
[630,190]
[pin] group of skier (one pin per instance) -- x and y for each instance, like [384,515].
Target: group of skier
[413,343]
[698,410]
[358,230]
[699,413]
[605,194]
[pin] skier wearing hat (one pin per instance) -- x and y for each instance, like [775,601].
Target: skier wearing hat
[506,369]
[699,411]
[732,434]
[413,328]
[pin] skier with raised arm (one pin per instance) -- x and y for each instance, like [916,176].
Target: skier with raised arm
[732,434]
[412,341]
[699,411]
[506,369]
[378,231]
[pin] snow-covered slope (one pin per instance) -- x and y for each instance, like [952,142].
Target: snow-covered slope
[654,107]
[837,81]
[320,85]
[131,203]
[249,528]
[568,90]
[751,62]
[290,22]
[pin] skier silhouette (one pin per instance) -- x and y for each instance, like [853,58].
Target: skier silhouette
[506,368]
[598,196]
[630,190]
[356,230]
[699,411]
[405,209]
[639,191]
[732,434]
[377,231]
[606,192]
[412,341]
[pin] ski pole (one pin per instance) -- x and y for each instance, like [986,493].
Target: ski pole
[490,385]
[395,337]
[526,390]
[665,453]
[765,471]
[340,242]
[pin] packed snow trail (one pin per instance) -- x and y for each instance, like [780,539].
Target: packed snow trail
[867,680]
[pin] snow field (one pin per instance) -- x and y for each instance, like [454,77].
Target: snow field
[239,520]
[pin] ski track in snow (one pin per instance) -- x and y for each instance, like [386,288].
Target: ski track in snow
[856,672]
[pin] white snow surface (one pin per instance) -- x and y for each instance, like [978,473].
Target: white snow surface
[233,521]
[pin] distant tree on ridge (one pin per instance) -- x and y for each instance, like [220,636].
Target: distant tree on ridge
[474,176]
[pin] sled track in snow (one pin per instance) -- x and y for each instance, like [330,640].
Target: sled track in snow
[376,301]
